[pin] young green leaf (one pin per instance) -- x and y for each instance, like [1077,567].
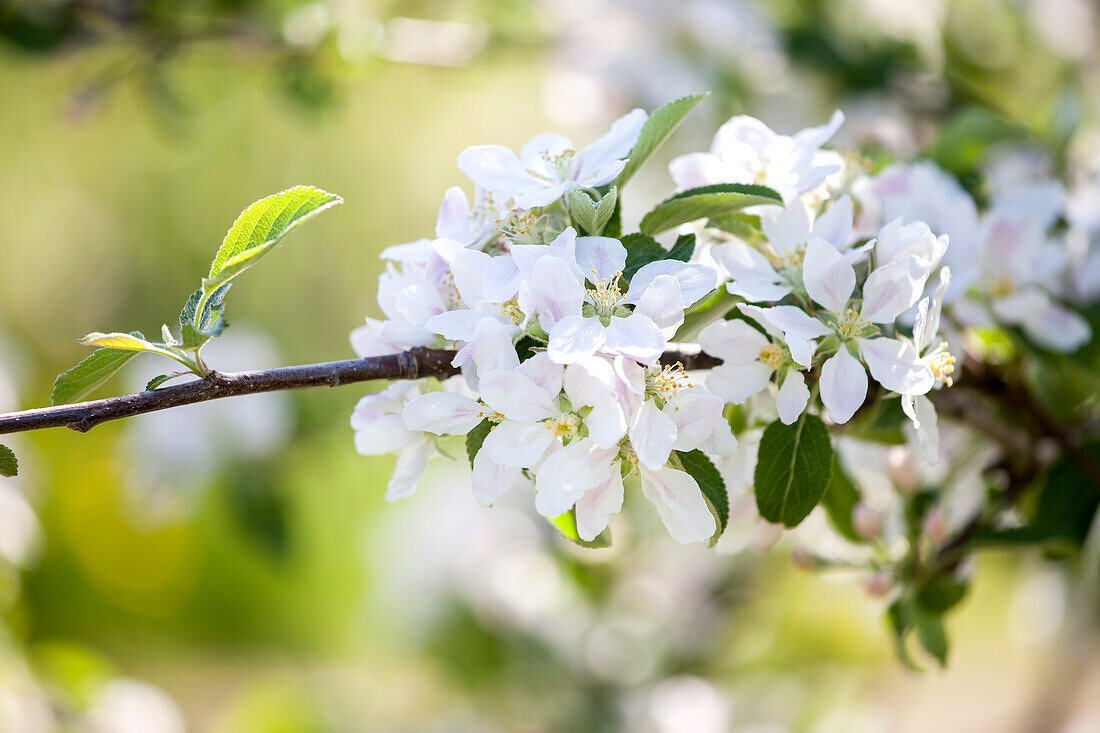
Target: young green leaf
[262,226]
[704,203]
[608,207]
[656,130]
[793,467]
[476,437]
[700,468]
[92,371]
[566,524]
[582,210]
[9,464]
[157,381]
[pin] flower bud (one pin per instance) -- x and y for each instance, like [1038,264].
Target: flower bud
[866,521]
[878,584]
[935,526]
[901,469]
[803,559]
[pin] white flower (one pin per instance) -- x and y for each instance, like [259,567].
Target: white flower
[749,359]
[548,167]
[745,150]
[379,429]
[934,355]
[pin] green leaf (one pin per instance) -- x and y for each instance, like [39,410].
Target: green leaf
[940,593]
[9,464]
[201,327]
[582,210]
[683,249]
[933,636]
[840,499]
[700,468]
[656,130]
[92,371]
[476,437]
[262,226]
[705,203]
[640,251]
[157,381]
[607,208]
[793,468]
[741,225]
[900,617]
[566,524]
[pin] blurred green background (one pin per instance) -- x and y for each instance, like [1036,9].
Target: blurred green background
[268,588]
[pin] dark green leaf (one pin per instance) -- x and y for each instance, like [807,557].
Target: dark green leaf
[710,481]
[9,464]
[656,130]
[92,371]
[476,437]
[705,203]
[900,617]
[683,249]
[640,251]
[840,499]
[940,594]
[793,468]
[933,636]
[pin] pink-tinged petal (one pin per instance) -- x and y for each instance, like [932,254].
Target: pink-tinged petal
[698,169]
[517,444]
[370,340]
[500,279]
[491,346]
[600,257]
[554,291]
[734,342]
[443,413]
[813,138]
[458,325]
[543,372]
[575,338]
[895,365]
[680,504]
[408,469]
[454,215]
[606,424]
[568,473]
[1045,322]
[467,268]
[635,336]
[799,329]
[652,435]
[383,434]
[611,148]
[539,195]
[491,480]
[786,227]
[598,504]
[835,225]
[695,414]
[735,383]
[495,168]
[892,289]
[516,397]
[792,398]
[695,280]
[419,251]
[828,276]
[663,304]
[843,385]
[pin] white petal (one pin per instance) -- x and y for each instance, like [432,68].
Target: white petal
[695,280]
[517,444]
[697,169]
[734,341]
[828,276]
[614,145]
[494,167]
[516,397]
[410,466]
[695,414]
[543,372]
[598,504]
[835,225]
[490,480]
[792,398]
[721,441]
[786,227]
[491,346]
[635,336]
[652,435]
[540,150]
[500,280]
[843,385]
[443,413]
[680,504]
[895,365]
[663,304]
[456,325]
[926,424]
[555,291]
[799,329]
[539,195]
[892,289]
[568,473]
[751,275]
[454,215]
[600,257]
[737,382]
[383,434]
[574,338]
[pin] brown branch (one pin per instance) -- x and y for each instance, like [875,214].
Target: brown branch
[413,364]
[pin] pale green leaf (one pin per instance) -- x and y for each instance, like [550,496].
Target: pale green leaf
[707,202]
[90,373]
[476,437]
[656,130]
[582,210]
[9,464]
[261,226]
[566,524]
[793,468]
[606,209]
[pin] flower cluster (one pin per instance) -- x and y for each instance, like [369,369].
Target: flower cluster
[559,331]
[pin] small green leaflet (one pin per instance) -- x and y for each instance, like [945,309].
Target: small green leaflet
[700,468]
[793,468]
[157,381]
[656,130]
[705,203]
[566,524]
[591,218]
[9,464]
[642,249]
[92,371]
[476,437]
[261,226]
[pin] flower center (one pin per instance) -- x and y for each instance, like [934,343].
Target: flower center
[510,309]
[1002,287]
[771,355]
[449,291]
[522,227]
[793,260]
[666,383]
[605,296]
[565,426]
[850,324]
[942,365]
[561,164]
